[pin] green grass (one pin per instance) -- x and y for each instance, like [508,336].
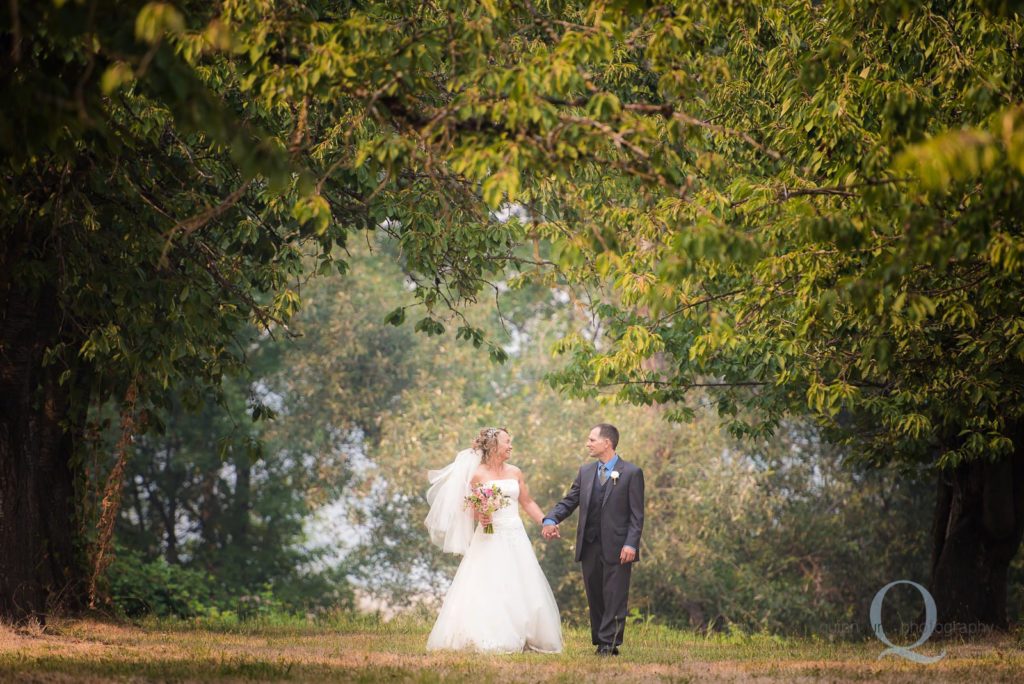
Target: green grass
[346,648]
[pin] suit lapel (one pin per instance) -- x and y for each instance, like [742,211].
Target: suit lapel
[586,487]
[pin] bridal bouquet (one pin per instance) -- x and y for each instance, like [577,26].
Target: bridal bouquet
[485,500]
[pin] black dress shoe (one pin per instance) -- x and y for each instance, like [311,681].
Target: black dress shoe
[606,650]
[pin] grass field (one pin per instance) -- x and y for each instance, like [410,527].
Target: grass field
[368,651]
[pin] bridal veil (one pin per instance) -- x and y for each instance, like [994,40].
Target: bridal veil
[449,523]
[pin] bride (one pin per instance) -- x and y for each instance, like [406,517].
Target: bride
[499,601]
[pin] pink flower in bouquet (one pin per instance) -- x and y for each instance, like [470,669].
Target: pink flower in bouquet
[485,501]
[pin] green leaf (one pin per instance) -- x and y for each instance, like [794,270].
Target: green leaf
[156,19]
[115,76]
[429,326]
[396,316]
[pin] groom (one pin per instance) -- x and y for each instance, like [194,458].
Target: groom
[610,495]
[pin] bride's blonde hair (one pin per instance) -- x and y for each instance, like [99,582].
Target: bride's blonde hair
[486,441]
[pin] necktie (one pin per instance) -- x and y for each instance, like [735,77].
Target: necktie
[602,474]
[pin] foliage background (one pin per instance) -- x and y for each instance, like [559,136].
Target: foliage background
[777,535]
[290,127]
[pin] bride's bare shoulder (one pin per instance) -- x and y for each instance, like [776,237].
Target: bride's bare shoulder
[516,472]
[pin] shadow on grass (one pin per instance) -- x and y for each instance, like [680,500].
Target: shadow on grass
[222,667]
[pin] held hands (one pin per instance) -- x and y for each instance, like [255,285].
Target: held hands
[482,519]
[550,532]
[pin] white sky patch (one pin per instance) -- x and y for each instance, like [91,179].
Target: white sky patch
[511,210]
[268,397]
[560,295]
[518,340]
[330,527]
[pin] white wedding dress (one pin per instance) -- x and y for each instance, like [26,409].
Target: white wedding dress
[499,601]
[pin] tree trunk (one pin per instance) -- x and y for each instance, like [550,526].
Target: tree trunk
[211,521]
[41,566]
[242,503]
[978,526]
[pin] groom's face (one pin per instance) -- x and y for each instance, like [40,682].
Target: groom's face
[596,444]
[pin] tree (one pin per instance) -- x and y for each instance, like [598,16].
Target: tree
[164,170]
[821,215]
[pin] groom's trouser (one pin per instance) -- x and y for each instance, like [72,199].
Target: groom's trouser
[607,586]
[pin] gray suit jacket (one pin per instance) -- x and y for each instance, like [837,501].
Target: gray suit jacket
[622,515]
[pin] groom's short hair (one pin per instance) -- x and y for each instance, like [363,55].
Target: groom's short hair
[609,432]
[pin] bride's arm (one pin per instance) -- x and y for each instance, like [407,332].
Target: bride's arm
[527,503]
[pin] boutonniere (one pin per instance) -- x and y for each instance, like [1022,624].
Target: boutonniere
[615,476]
